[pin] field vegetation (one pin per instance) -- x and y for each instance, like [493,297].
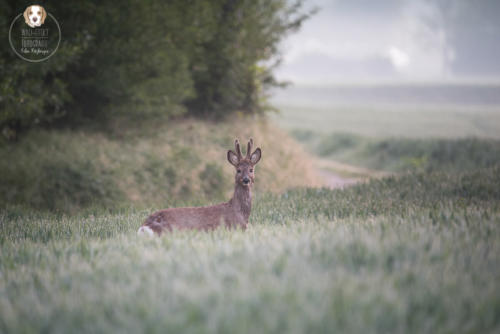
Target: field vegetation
[150,162]
[395,128]
[403,154]
[415,253]
[142,59]
[137,114]
[414,250]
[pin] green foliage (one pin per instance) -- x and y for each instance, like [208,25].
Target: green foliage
[461,154]
[145,58]
[391,196]
[33,93]
[148,163]
[440,195]
[213,180]
[137,61]
[230,71]
[337,143]
[415,154]
[412,254]
[403,154]
[61,176]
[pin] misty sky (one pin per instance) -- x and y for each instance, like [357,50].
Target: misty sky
[350,40]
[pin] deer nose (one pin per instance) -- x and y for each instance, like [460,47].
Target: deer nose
[246,180]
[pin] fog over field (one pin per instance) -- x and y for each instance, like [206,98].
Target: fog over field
[416,69]
[394,40]
[400,95]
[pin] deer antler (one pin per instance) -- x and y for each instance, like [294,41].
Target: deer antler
[233,213]
[249,148]
[237,147]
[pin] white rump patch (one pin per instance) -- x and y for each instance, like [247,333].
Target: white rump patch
[145,230]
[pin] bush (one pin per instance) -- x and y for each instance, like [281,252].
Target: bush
[145,58]
[431,155]
[404,154]
[213,181]
[144,164]
[338,142]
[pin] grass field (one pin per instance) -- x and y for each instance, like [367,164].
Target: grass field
[414,250]
[385,111]
[143,163]
[396,128]
[415,253]
[382,122]
[402,154]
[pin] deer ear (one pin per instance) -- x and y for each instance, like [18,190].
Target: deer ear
[255,157]
[232,158]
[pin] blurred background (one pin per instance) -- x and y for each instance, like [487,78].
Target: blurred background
[142,99]
[389,40]
[394,85]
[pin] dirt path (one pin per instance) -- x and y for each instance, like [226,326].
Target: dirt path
[334,181]
[339,175]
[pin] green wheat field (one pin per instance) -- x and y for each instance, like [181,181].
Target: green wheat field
[417,251]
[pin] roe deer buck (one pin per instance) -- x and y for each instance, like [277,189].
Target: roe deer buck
[234,213]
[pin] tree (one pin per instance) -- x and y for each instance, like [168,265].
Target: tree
[209,58]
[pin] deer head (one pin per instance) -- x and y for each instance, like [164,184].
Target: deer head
[234,213]
[244,165]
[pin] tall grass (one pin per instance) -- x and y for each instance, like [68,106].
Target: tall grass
[416,253]
[154,162]
[403,154]
[392,196]
[411,253]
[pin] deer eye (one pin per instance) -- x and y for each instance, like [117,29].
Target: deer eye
[239,170]
[251,170]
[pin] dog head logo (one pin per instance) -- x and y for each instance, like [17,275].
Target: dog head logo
[34,16]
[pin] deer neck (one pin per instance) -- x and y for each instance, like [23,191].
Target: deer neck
[242,200]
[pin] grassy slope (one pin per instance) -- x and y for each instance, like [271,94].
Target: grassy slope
[403,154]
[413,253]
[150,163]
[418,253]
[392,137]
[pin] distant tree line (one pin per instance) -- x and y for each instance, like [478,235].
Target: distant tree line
[206,58]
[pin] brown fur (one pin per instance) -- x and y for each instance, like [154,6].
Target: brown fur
[26,14]
[44,15]
[232,214]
